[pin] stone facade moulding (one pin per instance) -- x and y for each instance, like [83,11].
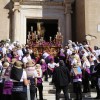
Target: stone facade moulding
[16,6]
[68,7]
[21,13]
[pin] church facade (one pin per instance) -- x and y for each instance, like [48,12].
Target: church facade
[75,19]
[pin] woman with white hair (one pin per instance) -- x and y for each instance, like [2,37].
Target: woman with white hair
[76,73]
[31,75]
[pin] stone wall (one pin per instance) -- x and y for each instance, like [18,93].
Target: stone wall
[80,20]
[4,19]
[92,19]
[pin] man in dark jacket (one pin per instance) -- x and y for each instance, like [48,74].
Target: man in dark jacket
[97,75]
[61,79]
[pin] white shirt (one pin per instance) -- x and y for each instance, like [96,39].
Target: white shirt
[20,53]
[29,57]
[31,72]
[4,50]
[69,52]
[97,52]
[11,47]
[86,64]
[25,60]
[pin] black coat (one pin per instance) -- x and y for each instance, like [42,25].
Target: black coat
[61,76]
[97,69]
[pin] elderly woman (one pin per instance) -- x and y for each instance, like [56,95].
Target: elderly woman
[31,75]
[19,78]
[86,74]
[39,81]
[76,73]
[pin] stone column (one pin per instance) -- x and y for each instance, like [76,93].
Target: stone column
[16,21]
[68,22]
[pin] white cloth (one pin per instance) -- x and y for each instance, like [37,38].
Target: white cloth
[52,65]
[45,55]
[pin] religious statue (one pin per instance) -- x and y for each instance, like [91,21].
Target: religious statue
[40,29]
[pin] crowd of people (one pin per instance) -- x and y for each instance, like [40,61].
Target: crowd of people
[76,63]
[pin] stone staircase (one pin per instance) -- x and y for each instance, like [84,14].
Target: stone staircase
[49,92]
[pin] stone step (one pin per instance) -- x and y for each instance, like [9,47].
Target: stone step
[49,91]
[52,87]
[87,96]
[71,95]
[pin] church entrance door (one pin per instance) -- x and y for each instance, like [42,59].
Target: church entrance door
[44,27]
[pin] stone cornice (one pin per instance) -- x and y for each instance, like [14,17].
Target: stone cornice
[51,3]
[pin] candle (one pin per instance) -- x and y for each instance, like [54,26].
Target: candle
[41,38]
[28,35]
[35,33]
[50,38]
[27,41]
[38,32]
[36,36]
[38,25]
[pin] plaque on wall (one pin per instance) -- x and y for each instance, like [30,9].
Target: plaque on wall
[99,28]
